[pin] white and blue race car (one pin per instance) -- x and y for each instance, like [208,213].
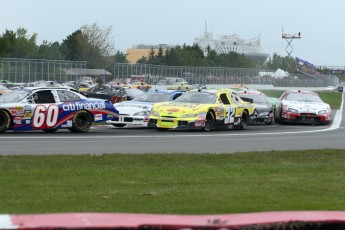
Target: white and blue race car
[136,112]
[50,109]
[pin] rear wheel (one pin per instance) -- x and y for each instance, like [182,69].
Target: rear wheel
[210,121]
[243,122]
[82,122]
[5,121]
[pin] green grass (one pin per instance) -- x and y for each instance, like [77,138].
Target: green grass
[332,98]
[173,183]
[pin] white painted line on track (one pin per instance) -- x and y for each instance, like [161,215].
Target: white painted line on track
[338,116]
[6,222]
[335,125]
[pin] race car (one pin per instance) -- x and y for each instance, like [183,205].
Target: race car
[204,110]
[179,86]
[50,109]
[263,107]
[4,89]
[113,94]
[136,111]
[301,106]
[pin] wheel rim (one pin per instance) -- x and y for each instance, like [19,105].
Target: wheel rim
[83,121]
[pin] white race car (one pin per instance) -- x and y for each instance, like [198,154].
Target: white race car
[136,111]
[301,106]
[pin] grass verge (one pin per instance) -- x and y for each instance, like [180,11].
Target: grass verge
[174,183]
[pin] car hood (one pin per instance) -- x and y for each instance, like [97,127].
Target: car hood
[263,107]
[307,107]
[180,107]
[130,107]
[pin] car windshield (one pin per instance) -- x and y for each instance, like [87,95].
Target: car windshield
[14,96]
[201,98]
[304,97]
[152,97]
[257,98]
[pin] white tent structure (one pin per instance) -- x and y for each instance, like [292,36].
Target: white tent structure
[280,74]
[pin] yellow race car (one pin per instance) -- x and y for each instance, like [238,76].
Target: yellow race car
[205,110]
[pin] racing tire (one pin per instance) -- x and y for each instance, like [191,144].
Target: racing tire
[244,121]
[119,125]
[82,122]
[5,121]
[280,119]
[50,130]
[210,121]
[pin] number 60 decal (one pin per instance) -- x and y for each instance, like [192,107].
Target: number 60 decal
[45,116]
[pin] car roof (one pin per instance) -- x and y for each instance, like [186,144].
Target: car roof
[50,88]
[301,91]
[255,92]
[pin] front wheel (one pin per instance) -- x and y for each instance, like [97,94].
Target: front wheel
[82,122]
[5,121]
[210,121]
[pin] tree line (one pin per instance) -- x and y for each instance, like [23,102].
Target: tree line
[96,46]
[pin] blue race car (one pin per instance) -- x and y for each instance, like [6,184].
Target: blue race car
[50,109]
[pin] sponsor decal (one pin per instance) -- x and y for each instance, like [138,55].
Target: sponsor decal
[167,119]
[172,110]
[12,110]
[17,120]
[98,117]
[109,115]
[86,105]
[202,118]
[68,124]
[27,107]
[27,114]
[183,105]
[199,123]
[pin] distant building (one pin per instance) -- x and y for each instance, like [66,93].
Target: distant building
[251,48]
[141,50]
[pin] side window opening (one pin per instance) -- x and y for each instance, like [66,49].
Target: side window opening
[68,96]
[224,99]
[43,97]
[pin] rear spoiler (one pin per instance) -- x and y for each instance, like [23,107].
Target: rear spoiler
[247,99]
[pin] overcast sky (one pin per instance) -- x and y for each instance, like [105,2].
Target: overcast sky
[178,22]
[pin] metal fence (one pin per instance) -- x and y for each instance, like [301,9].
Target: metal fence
[194,75]
[29,70]
[218,75]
